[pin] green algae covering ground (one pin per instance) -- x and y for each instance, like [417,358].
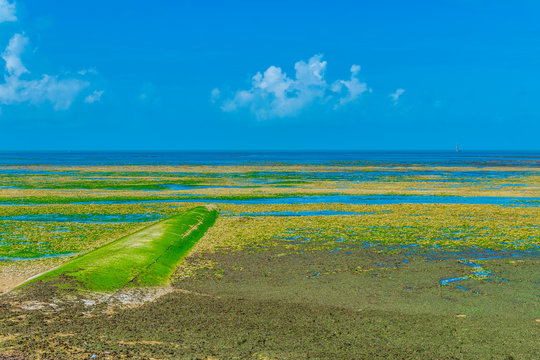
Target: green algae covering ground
[433,262]
[146,257]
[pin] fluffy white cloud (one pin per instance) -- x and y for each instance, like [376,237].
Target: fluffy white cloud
[395,96]
[12,55]
[94,97]
[274,94]
[57,91]
[354,88]
[7,11]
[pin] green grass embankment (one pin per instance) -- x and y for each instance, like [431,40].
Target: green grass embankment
[147,257]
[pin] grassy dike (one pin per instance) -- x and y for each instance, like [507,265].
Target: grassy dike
[147,257]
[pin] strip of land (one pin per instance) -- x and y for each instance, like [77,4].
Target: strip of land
[147,257]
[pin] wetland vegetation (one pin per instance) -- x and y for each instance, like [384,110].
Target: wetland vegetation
[332,260]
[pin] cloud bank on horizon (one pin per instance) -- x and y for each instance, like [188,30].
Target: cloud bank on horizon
[274,94]
[20,87]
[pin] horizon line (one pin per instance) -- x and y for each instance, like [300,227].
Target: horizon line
[265,150]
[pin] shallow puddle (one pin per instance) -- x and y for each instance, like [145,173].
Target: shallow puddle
[299,213]
[84,218]
[331,199]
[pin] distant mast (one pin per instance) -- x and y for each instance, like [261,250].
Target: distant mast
[457,148]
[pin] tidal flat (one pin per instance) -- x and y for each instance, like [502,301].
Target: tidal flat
[305,261]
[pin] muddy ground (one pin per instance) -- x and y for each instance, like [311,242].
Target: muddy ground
[358,303]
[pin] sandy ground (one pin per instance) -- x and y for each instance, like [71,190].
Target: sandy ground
[14,274]
[9,283]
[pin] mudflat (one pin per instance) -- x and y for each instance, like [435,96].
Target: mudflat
[303,262]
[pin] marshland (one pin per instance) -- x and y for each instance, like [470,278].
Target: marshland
[271,260]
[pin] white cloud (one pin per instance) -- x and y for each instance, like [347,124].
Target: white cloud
[7,11]
[12,55]
[94,97]
[274,94]
[395,96]
[59,92]
[84,72]
[354,87]
[215,95]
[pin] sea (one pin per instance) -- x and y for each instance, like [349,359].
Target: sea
[377,158]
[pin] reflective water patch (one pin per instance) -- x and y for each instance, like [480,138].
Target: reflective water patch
[299,213]
[84,218]
[478,273]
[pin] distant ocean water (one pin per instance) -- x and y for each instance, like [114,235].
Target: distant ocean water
[429,158]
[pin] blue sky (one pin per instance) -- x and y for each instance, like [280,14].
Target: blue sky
[269,74]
